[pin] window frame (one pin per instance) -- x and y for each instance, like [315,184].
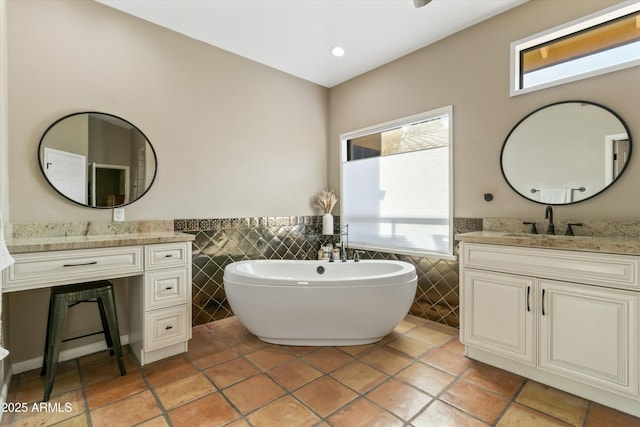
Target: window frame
[576,26]
[406,121]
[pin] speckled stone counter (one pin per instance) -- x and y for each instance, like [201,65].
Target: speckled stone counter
[595,228]
[48,236]
[608,244]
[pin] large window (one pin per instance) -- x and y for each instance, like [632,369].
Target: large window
[605,41]
[396,184]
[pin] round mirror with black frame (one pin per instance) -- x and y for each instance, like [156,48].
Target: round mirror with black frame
[97,159]
[565,152]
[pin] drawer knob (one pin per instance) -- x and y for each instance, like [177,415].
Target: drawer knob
[168,288]
[168,255]
[168,327]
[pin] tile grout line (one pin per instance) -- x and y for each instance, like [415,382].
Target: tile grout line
[244,415]
[457,379]
[85,396]
[291,393]
[151,389]
[510,402]
[415,360]
[389,376]
[587,413]
[436,397]
[288,392]
[217,388]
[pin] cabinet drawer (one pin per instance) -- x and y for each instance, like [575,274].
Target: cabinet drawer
[166,255]
[611,270]
[164,288]
[166,327]
[46,269]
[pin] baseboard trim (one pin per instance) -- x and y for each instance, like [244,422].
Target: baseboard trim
[68,354]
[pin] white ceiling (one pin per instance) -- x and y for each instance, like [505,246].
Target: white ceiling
[296,36]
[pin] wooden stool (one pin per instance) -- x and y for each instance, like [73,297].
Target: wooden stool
[63,297]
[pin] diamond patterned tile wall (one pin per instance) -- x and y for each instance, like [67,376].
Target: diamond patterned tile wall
[219,242]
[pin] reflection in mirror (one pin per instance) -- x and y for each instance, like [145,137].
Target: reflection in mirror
[97,159]
[566,152]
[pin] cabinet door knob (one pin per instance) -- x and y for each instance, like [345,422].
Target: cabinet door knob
[528,298]
[543,302]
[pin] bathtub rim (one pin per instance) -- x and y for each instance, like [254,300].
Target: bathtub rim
[406,273]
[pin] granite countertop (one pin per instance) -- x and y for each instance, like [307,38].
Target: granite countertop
[604,244]
[57,236]
[58,243]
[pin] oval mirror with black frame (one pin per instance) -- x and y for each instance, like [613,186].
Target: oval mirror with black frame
[565,152]
[97,159]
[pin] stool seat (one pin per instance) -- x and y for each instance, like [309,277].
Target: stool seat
[63,297]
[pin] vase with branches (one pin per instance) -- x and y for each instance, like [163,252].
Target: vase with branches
[326,201]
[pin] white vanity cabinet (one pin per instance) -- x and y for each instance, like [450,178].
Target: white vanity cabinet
[162,327]
[156,277]
[569,319]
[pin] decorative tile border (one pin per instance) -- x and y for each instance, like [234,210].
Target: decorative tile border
[234,223]
[465,225]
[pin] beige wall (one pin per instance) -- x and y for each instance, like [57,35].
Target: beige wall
[470,70]
[233,138]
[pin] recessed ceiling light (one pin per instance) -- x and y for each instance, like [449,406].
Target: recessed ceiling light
[337,51]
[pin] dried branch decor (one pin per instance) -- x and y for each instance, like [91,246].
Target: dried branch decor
[326,200]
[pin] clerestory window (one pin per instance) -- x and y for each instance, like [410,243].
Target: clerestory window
[603,42]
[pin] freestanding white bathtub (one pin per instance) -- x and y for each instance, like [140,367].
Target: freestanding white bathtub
[318,303]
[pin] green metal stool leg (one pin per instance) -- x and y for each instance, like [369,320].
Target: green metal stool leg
[108,300]
[60,304]
[105,326]
[46,339]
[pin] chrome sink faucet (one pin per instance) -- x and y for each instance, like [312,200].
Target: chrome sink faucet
[548,214]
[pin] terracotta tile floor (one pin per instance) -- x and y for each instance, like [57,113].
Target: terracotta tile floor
[417,376]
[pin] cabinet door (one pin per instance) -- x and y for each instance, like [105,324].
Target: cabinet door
[590,334]
[497,314]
